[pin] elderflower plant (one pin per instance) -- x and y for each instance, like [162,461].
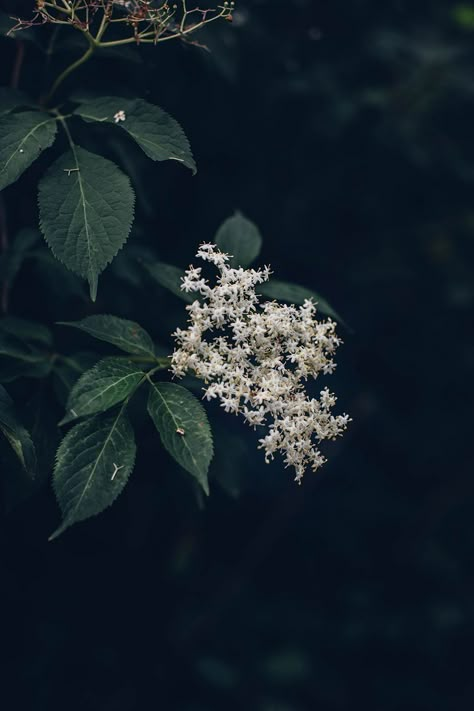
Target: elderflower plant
[256,357]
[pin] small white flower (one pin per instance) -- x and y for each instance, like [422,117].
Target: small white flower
[258,358]
[119,116]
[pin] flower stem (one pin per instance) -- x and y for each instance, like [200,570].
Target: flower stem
[71,68]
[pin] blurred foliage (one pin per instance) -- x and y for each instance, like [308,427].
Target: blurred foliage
[344,132]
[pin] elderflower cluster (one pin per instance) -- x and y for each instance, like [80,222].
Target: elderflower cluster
[255,357]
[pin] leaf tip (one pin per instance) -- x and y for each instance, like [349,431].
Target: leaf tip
[93,284]
[55,534]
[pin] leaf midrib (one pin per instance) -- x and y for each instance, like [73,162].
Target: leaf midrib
[116,383]
[176,423]
[93,471]
[84,212]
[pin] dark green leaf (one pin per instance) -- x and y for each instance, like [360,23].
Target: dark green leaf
[158,134]
[12,347]
[16,434]
[11,261]
[27,331]
[126,335]
[21,360]
[11,99]
[11,370]
[68,370]
[93,464]
[184,429]
[23,137]
[169,277]
[295,294]
[109,382]
[240,238]
[86,212]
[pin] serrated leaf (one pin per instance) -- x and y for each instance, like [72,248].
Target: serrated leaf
[16,434]
[157,133]
[169,277]
[93,463]
[109,382]
[68,370]
[86,212]
[240,238]
[11,99]
[27,331]
[23,137]
[184,428]
[295,294]
[126,335]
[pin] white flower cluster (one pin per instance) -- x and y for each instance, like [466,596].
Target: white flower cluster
[254,357]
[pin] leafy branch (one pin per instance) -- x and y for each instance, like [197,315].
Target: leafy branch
[142,20]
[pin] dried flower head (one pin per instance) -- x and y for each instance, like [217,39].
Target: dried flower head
[141,21]
[255,358]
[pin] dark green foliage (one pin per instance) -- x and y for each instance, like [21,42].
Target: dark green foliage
[296,294]
[86,212]
[17,436]
[124,334]
[93,464]
[169,277]
[184,429]
[241,239]
[155,131]
[23,137]
[344,131]
[109,382]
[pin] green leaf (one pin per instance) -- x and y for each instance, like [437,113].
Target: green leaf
[295,294]
[27,331]
[12,347]
[169,277]
[11,261]
[109,382]
[157,133]
[11,99]
[21,360]
[184,429]
[23,137]
[16,434]
[126,335]
[67,371]
[86,212]
[11,370]
[93,463]
[240,238]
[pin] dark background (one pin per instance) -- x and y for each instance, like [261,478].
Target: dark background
[344,130]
